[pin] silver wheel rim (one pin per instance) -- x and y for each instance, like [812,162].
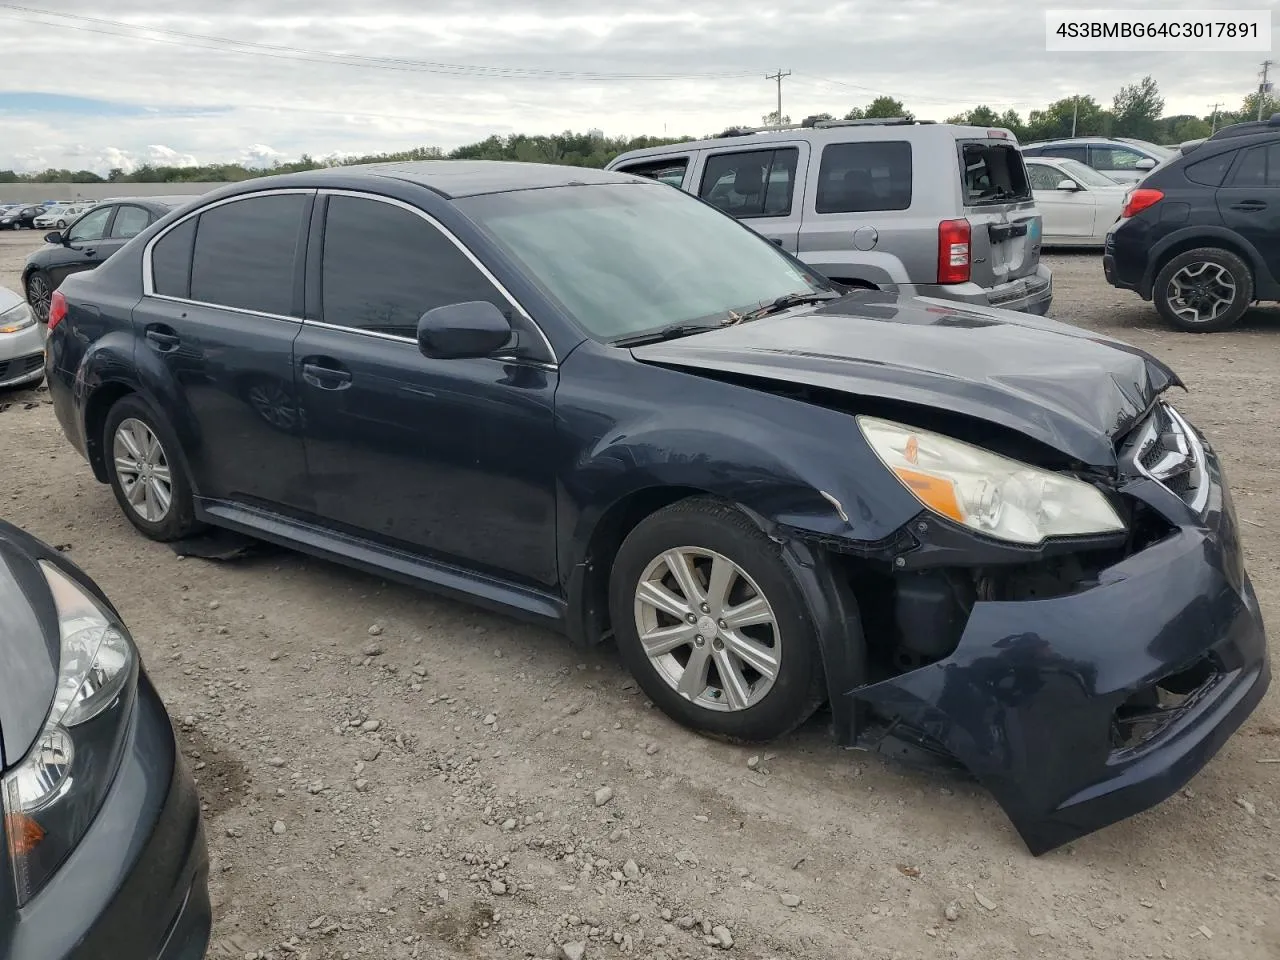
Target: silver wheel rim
[38,297]
[708,629]
[143,470]
[1201,292]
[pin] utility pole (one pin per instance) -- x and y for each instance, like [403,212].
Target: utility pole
[779,77]
[1264,87]
[1075,112]
[1213,120]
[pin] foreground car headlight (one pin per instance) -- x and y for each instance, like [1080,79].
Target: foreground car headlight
[994,495]
[52,796]
[16,318]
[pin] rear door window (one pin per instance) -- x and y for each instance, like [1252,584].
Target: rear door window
[755,183]
[992,172]
[669,170]
[1067,153]
[860,177]
[129,222]
[1119,159]
[1258,167]
[245,252]
[1044,177]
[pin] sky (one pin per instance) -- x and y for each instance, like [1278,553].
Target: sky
[98,86]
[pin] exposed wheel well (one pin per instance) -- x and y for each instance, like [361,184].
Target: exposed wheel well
[95,417]
[612,528]
[1193,243]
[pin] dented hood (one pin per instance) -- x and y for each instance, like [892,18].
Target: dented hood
[1064,386]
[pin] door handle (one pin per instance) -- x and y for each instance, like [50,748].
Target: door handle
[1249,206]
[325,378]
[163,339]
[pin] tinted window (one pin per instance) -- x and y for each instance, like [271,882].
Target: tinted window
[758,183]
[855,177]
[1259,167]
[668,170]
[245,251]
[1211,170]
[130,221]
[1069,153]
[1043,177]
[384,267]
[993,173]
[91,226]
[171,261]
[1115,158]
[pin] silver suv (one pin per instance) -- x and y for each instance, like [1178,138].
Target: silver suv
[918,208]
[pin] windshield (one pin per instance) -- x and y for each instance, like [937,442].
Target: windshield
[1085,174]
[624,259]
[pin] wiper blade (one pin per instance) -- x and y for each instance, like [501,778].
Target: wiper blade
[785,302]
[670,332]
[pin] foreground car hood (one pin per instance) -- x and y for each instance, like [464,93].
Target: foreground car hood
[28,643]
[8,299]
[1067,387]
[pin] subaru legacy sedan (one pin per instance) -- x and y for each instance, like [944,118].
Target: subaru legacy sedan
[598,403]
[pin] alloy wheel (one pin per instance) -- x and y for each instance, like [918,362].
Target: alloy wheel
[39,296]
[1201,292]
[143,470]
[708,629]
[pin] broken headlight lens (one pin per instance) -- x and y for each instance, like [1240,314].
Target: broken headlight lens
[986,492]
[53,794]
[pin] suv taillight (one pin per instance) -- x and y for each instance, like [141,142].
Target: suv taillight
[1138,200]
[953,251]
[57,308]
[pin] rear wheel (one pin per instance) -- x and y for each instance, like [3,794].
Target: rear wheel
[1204,290]
[146,474]
[712,625]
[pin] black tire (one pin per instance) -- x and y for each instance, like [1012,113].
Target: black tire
[1241,277]
[179,520]
[798,687]
[39,290]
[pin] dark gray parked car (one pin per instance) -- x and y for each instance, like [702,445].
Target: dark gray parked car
[105,854]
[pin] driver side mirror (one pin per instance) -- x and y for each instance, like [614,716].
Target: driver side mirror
[462,331]
[1067,185]
[1146,163]
[53,236]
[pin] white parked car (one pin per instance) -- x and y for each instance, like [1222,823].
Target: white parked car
[1077,203]
[21,342]
[62,215]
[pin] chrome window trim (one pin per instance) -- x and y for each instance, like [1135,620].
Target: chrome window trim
[462,248]
[148,273]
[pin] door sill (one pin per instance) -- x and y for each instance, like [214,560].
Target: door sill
[500,596]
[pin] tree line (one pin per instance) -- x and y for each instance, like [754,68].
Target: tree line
[1136,110]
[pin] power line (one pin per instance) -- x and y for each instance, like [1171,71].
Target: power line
[810,78]
[99,25]
[778,77]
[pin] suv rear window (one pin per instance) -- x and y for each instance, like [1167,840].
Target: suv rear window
[992,172]
[1212,170]
[859,177]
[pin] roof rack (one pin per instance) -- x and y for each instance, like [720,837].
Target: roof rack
[1247,127]
[812,123]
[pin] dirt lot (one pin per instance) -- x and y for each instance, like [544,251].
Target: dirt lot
[387,775]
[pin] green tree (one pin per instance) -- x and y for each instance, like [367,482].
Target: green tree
[979,116]
[1137,110]
[1249,110]
[1055,120]
[772,119]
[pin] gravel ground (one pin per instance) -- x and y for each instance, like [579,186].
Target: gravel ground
[387,775]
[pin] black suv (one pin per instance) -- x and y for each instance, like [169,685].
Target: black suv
[1200,236]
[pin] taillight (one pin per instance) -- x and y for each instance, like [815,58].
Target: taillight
[953,251]
[57,309]
[1139,200]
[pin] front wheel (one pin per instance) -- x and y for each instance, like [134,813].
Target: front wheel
[1206,290]
[712,625]
[39,294]
[146,473]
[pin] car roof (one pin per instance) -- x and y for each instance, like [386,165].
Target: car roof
[449,178]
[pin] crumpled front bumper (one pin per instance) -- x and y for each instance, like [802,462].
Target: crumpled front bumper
[1028,699]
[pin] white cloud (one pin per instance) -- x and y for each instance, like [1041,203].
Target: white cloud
[938,56]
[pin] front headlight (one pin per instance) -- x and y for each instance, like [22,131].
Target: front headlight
[16,318]
[52,796]
[994,495]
